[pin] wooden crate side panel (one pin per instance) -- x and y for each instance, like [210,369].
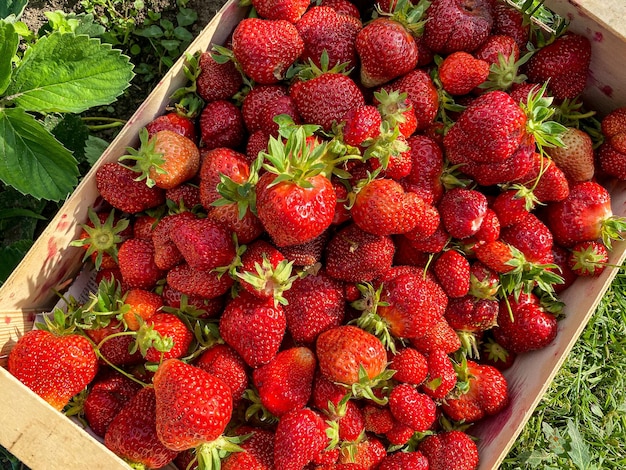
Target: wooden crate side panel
[603,23]
[51,263]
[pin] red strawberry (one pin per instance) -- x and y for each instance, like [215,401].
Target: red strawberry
[217,80]
[137,265]
[386,50]
[186,195]
[258,451]
[300,437]
[133,436]
[561,259]
[343,350]
[118,186]
[287,10]
[513,205]
[496,45]
[382,207]
[275,107]
[471,314]
[527,327]
[546,180]
[453,273]
[410,365]
[493,354]
[457,25]
[215,163]
[193,282]
[485,394]
[307,253]
[360,124]
[284,384]
[141,303]
[107,396]
[450,450]
[113,347]
[203,307]
[510,21]
[192,406]
[55,367]
[496,255]
[584,215]
[223,362]
[564,64]
[221,125]
[441,375]
[204,244]
[176,122]
[576,157]
[323,28]
[462,211]
[316,303]
[166,160]
[460,72]
[397,110]
[343,7]
[612,153]
[440,337]
[426,170]
[404,461]
[265,49]
[377,420]
[416,410]
[354,255]
[253,327]
[367,453]
[422,94]
[164,336]
[588,258]
[255,101]
[166,254]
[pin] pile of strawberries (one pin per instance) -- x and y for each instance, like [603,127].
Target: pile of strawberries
[329,264]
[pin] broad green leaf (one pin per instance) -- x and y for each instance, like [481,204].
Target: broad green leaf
[12,7]
[70,130]
[72,23]
[69,73]
[94,148]
[32,160]
[9,40]
[579,452]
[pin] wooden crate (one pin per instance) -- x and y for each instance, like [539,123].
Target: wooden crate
[45,439]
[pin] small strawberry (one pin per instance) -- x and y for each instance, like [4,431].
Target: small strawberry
[173,121]
[142,304]
[253,327]
[300,438]
[564,64]
[162,337]
[118,186]
[284,384]
[576,157]
[588,258]
[532,237]
[460,72]
[133,436]
[410,365]
[462,211]
[366,452]
[442,377]
[221,125]
[510,21]
[258,451]
[453,273]
[360,124]
[137,265]
[265,49]
[450,450]
[425,178]
[440,337]
[546,180]
[217,79]
[416,410]
[215,163]
[513,205]
[612,153]
[166,254]
[223,362]
[404,460]
[254,102]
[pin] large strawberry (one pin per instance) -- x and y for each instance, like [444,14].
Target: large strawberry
[265,49]
[118,186]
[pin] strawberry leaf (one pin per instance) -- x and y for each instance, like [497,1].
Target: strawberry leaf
[32,160]
[69,73]
[12,7]
[9,40]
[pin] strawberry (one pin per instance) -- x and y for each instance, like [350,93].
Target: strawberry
[510,21]
[513,205]
[526,327]
[496,45]
[546,180]
[460,72]
[221,125]
[108,394]
[323,95]
[193,407]
[532,237]
[386,49]
[53,365]
[186,195]
[561,260]
[433,243]
[162,337]
[253,327]
[142,304]
[217,80]
[275,107]
[422,94]
[254,102]
[612,153]
[396,109]
[563,64]
[143,226]
[360,124]
[165,160]
[462,211]
[258,451]
[307,253]
[175,122]
[367,453]
[193,282]
[257,143]
[118,186]
[576,157]
[223,362]
[588,258]
[354,255]
[442,377]
[344,350]
[382,207]
[204,244]
[584,215]
[377,420]
[404,461]
[471,314]
[483,393]
[133,436]
[343,7]
[294,200]
[300,437]
[450,450]
[493,354]
[496,255]
[284,384]
[215,163]
[137,265]
[426,170]
[416,410]
[316,303]
[166,254]
[265,49]
[114,348]
[457,25]
[323,28]
[280,9]
[200,306]
[410,365]
[452,270]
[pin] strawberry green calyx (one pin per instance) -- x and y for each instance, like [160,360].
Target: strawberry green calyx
[386,145]
[469,344]
[365,387]
[310,70]
[523,192]
[270,279]
[505,73]
[613,228]
[187,101]
[102,306]
[369,320]
[243,194]
[146,158]
[538,109]
[409,15]
[256,409]
[392,106]
[101,237]
[209,455]
[147,337]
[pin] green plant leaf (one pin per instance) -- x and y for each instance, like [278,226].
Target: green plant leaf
[32,160]
[12,7]
[94,148]
[70,130]
[9,40]
[67,73]
[579,452]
